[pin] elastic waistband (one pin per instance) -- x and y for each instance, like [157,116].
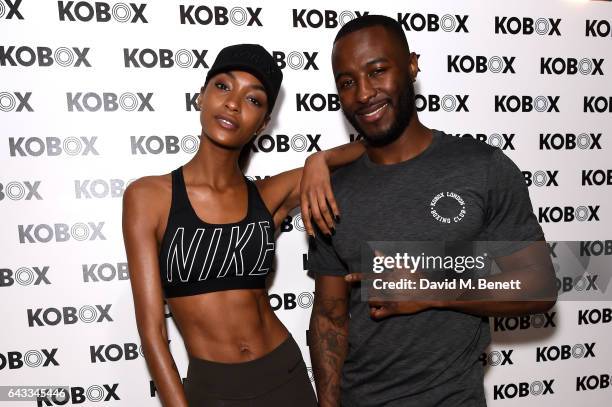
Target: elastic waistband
[247,379]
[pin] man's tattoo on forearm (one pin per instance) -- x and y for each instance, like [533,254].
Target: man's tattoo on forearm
[328,345]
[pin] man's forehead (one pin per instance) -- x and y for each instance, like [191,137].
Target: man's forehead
[362,46]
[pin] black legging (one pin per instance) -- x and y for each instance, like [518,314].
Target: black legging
[276,379]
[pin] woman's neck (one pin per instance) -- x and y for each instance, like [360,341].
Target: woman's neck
[214,165]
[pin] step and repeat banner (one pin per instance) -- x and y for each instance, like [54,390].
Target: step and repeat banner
[94,94]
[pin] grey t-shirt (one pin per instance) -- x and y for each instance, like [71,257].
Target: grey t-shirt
[429,358]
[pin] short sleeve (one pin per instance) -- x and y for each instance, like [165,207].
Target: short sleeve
[509,213]
[323,258]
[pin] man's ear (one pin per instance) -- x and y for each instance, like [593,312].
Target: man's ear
[413,65]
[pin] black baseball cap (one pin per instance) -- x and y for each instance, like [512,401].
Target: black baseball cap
[254,59]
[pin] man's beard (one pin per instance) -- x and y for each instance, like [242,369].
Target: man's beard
[404,111]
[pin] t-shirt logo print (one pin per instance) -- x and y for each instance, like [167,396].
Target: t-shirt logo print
[447,207]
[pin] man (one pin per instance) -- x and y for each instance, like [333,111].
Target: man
[409,353]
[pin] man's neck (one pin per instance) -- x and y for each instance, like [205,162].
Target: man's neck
[413,141]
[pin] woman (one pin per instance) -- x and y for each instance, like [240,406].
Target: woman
[203,237]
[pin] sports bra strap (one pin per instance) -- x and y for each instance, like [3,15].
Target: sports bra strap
[180,200]
[255,200]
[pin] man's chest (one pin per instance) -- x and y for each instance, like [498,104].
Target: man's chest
[446,208]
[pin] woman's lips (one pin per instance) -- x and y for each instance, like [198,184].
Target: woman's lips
[226,122]
[373,114]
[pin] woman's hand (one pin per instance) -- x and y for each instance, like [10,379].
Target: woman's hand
[316,196]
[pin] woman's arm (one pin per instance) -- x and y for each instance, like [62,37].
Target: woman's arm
[309,186]
[140,219]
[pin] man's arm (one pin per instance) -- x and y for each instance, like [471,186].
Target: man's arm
[328,337]
[531,266]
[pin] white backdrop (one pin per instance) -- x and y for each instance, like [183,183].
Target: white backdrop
[88,103]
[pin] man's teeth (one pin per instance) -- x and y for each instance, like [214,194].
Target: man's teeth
[375,111]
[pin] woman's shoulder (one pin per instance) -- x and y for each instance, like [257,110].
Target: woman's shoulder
[151,194]
[149,185]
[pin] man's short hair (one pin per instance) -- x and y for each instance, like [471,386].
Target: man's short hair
[373,20]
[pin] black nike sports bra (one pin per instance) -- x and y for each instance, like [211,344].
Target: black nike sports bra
[198,257]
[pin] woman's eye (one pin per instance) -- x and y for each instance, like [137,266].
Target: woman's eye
[221,86]
[255,101]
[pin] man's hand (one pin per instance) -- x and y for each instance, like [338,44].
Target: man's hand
[386,302]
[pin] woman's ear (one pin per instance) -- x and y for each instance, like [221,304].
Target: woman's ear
[263,125]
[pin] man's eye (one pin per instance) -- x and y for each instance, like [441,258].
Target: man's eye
[378,71]
[346,84]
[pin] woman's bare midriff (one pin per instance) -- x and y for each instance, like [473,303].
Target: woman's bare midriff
[231,326]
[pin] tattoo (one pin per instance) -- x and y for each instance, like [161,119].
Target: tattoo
[328,347]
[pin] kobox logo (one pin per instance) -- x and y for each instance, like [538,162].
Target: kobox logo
[584,283]
[32,358]
[60,232]
[289,301]
[306,102]
[164,145]
[292,223]
[164,58]
[480,64]
[447,103]
[52,146]
[9,9]
[153,388]
[305,18]
[105,272]
[497,358]
[114,352]
[597,104]
[546,320]
[596,177]
[594,316]
[44,56]
[259,177]
[433,22]
[523,389]
[570,141]
[593,382]
[69,315]
[79,395]
[557,214]
[598,28]
[109,102]
[24,276]
[565,352]
[191,102]
[20,190]
[100,188]
[571,66]
[219,15]
[503,141]
[541,178]
[526,104]
[296,60]
[101,12]
[596,248]
[282,143]
[527,26]
[15,102]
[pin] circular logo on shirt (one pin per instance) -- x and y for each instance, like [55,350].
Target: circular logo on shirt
[447,207]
